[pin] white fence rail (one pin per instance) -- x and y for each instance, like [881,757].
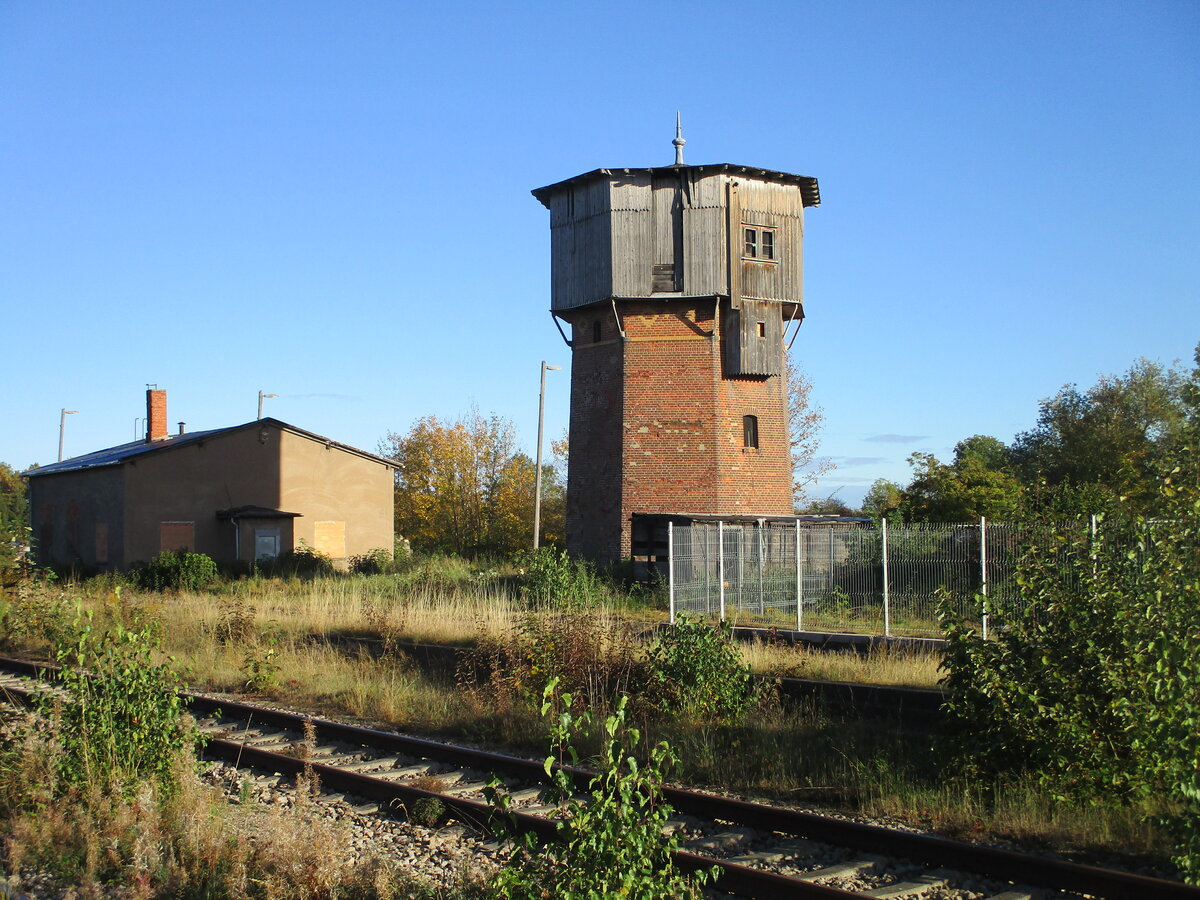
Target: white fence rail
[845,577]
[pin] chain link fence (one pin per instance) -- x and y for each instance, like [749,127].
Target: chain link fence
[845,577]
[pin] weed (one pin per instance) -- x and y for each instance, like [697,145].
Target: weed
[259,665]
[426,811]
[551,576]
[374,562]
[123,719]
[235,623]
[612,844]
[175,571]
[696,670]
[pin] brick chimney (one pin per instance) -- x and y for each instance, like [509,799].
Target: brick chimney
[156,414]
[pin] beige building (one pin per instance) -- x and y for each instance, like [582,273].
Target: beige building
[249,492]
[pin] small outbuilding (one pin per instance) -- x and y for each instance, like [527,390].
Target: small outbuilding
[248,492]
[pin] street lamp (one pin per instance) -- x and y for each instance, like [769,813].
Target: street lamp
[261,398]
[62,427]
[537,476]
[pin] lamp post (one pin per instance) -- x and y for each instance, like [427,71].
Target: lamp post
[537,475]
[261,398]
[62,427]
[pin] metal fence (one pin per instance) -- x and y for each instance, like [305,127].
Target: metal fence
[847,577]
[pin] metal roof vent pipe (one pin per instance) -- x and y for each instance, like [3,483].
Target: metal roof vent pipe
[181,427]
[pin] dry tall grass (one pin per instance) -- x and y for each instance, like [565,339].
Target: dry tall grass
[99,841]
[795,755]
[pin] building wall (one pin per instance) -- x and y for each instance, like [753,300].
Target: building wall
[77,519]
[595,437]
[656,427]
[189,483]
[346,500]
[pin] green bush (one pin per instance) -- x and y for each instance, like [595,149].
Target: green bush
[551,576]
[123,720]
[611,844]
[696,670]
[175,571]
[373,562]
[303,562]
[1092,682]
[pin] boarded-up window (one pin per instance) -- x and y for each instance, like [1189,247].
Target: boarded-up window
[177,536]
[330,538]
[101,543]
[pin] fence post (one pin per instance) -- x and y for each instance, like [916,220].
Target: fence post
[671,569]
[799,583]
[721,565]
[983,572]
[762,600]
[887,608]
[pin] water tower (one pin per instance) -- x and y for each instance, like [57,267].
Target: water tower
[678,286]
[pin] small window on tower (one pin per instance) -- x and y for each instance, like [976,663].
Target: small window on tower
[750,431]
[596,332]
[762,329]
[759,243]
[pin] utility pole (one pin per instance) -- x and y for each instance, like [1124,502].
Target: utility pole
[62,427]
[537,476]
[261,398]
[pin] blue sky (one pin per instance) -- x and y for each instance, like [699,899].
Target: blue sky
[330,201]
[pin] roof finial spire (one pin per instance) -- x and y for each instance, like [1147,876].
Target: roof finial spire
[679,141]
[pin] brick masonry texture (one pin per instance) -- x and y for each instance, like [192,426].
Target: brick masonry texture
[156,414]
[656,427]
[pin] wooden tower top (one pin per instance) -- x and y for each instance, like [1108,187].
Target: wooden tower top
[671,231]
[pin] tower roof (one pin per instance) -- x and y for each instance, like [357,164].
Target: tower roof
[808,186]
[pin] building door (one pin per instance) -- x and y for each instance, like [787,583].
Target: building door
[266,543]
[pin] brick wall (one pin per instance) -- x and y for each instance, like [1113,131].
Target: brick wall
[156,414]
[656,428]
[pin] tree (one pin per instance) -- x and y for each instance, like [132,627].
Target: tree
[462,487]
[881,498]
[980,482]
[825,506]
[1093,446]
[1092,684]
[805,420]
[14,517]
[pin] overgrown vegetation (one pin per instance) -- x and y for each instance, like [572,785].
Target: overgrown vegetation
[123,720]
[610,845]
[1093,683]
[694,669]
[175,571]
[100,792]
[795,754]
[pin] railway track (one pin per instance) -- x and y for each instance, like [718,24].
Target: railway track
[762,851]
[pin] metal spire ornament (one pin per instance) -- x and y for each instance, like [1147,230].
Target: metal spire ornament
[679,141]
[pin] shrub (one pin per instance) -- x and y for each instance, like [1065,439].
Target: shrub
[373,562]
[303,562]
[551,576]
[123,719]
[696,670]
[1093,681]
[175,571]
[610,845]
